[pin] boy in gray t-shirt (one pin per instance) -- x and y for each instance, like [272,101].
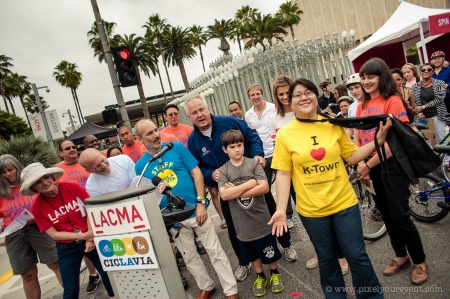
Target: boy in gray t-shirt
[243,183]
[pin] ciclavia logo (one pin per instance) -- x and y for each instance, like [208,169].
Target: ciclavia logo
[124,246]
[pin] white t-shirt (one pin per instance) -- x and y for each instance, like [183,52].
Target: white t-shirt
[352,109]
[262,126]
[122,172]
[276,121]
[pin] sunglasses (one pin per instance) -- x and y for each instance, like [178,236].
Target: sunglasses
[172,114]
[426,70]
[69,147]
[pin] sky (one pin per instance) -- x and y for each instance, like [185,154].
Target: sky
[38,35]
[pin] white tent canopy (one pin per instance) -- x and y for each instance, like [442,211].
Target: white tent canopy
[402,26]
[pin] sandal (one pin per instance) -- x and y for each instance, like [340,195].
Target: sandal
[312,263]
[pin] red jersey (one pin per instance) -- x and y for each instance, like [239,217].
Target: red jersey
[10,208]
[62,211]
[134,152]
[74,172]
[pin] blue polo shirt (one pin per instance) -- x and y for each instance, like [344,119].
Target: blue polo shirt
[444,75]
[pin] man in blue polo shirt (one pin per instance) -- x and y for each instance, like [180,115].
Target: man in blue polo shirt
[179,169]
[441,72]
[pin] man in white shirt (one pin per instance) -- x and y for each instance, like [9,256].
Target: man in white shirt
[258,118]
[107,175]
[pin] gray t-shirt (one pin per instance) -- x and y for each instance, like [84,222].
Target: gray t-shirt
[250,215]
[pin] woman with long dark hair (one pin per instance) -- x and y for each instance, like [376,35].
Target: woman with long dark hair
[407,96]
[381,96]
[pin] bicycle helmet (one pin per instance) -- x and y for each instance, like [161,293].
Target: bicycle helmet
[324,84]
[437,54]
[345,98]
[352,79]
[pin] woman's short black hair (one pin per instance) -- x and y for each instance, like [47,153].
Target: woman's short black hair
[108,152]
[305,82]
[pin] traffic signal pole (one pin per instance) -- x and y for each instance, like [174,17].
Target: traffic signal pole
[112,71]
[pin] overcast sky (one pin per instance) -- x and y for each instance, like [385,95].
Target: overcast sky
[38,35]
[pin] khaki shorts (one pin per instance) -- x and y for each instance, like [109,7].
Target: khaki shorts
[25,245]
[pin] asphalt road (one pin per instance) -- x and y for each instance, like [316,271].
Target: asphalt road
[297,279]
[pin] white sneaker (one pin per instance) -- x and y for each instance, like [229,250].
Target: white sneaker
[290,254]
[223,223]
[290,223]
[242,272]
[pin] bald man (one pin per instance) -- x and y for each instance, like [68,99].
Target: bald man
[90,141]
[107,175]
[131,147]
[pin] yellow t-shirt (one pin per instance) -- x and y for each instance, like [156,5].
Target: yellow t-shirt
[313,153]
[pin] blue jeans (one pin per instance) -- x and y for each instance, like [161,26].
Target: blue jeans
[345,228]
[70,257]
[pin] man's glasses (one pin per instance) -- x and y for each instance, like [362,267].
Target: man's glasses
[69,147]
[172,114]
[426,70]
[96,168]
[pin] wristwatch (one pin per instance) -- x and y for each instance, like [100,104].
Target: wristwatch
[201,199]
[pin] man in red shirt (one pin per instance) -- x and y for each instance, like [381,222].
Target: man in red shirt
[131,147]
[181,131]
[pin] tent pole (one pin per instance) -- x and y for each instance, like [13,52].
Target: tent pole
[422,40]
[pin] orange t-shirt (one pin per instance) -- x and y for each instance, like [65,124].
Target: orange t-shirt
[376,106]
[164,138]
[134,152]
[182,133]
[74,172]
[10,208]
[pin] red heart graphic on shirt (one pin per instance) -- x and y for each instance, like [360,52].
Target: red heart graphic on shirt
[318,154]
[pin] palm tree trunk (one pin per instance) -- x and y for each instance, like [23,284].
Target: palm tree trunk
[201,57]
[292,31]
[183,74]
[79,107]
[12,106]
[76,106]
[24,110]
[165,66]
[239,43]
[162,86]
[6,103]
[142,96]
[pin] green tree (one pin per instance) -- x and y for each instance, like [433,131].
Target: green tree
[221,30]
[11,125]
[31,105]
[199,39]
[95,42]
[153,50]
[178,47]
[29,149]
[237,33]
[20,89]
[10,90]
[5,65]
[157,27]
[67,75]
[289,14]
[267,27]
[246,16]
[143,61]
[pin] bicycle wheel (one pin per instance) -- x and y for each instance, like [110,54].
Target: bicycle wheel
[425,208]
[372,222]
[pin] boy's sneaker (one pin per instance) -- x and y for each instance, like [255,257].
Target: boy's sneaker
[242,272]
[290,223]
[200,249]
[290,254]
[223,223]
[259,286]
[275,283]
[92,284]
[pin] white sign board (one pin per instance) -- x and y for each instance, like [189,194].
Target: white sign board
[37,125]
[126,252]
[69,130]
[124,217]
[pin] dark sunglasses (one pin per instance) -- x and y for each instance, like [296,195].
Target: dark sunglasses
[69,147]
[426,70]
[173,114]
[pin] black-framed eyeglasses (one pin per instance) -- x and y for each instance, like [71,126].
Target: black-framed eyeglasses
[426,70]
[69,147]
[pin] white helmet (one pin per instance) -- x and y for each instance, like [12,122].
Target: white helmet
[352,79]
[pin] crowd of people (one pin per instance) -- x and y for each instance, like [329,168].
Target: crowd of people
[234,158]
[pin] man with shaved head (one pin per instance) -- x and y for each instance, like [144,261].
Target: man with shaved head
[131,147]
[90,141]
[107,175]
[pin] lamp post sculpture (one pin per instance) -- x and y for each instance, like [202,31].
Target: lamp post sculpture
[70,118]
[41,111]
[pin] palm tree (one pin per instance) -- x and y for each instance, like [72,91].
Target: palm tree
[9,90]
[20,89]
[238,33]
[267,27]
[246,16]
[5,64]
[11,125]
[153,50]
[67,75]
[143,61]
[290,15]
[222,30]
[31,105]
[199,38]
[157,27]
[96,43]
[178,47]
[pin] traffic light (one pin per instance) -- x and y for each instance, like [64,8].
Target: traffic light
[125,66]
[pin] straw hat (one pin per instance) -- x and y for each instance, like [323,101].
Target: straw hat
[33,172]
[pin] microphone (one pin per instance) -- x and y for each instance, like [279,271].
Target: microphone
[177,200]
[161,153]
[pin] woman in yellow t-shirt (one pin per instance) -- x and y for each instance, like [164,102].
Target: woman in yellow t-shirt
[311,153]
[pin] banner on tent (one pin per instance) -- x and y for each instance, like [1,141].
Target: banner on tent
[439,24]
[54,126]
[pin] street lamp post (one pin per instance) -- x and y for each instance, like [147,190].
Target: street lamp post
[70,118]
[41,111]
